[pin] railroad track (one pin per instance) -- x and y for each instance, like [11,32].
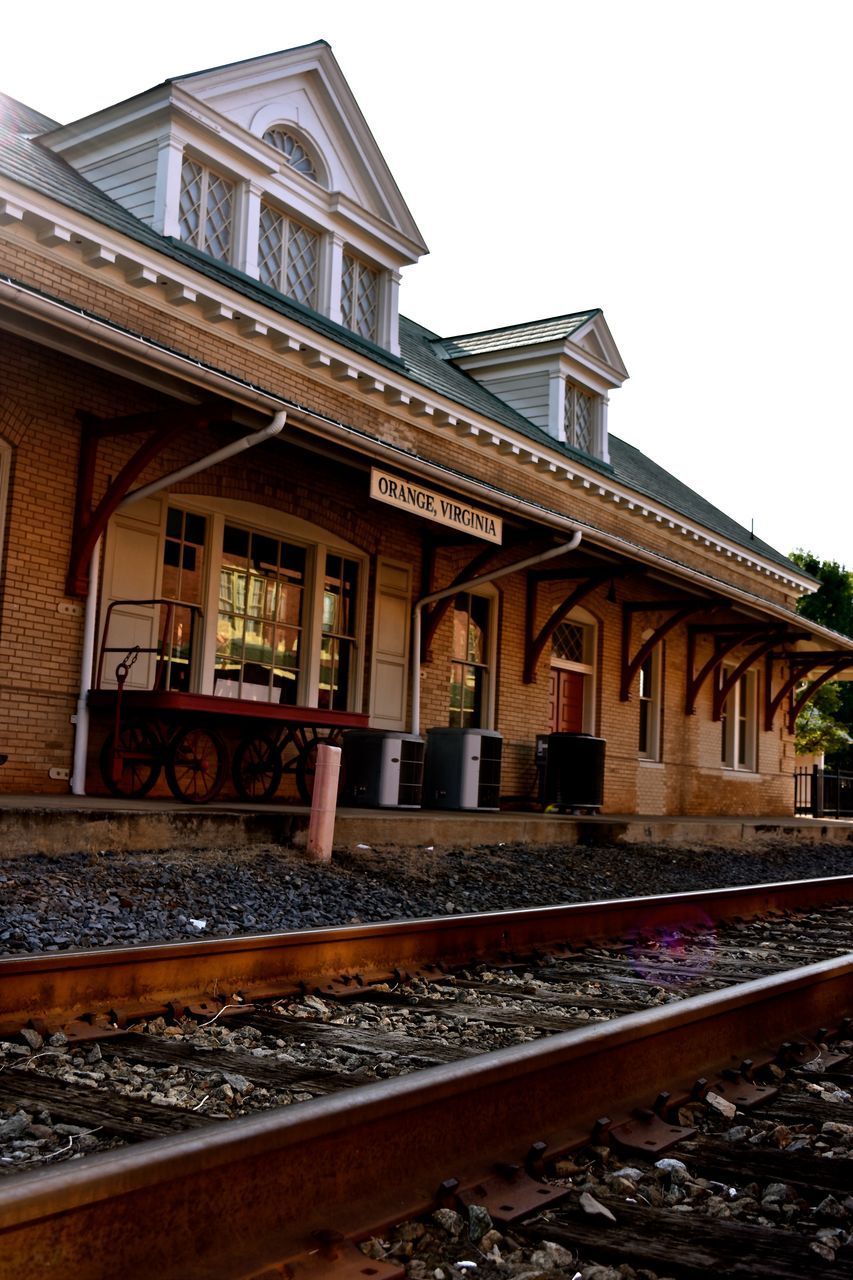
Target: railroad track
[420,1052]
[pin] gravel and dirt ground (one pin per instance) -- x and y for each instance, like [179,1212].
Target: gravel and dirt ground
[85,900]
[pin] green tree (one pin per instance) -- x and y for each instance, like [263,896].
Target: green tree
[826,725]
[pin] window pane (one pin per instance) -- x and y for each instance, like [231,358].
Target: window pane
[260,631]
[182,580]
[295,154]
[235,542]
[189,204]
[348,291]
[218,213]
[270,246]
[568,642]
[301,274]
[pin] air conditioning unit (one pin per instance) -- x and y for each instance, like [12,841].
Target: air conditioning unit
[383,769]
[463,769]
[574,771]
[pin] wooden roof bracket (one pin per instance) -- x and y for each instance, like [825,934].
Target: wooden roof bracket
[435,614]
[726,638]
[534,645]
[681,609]
[799,664]
[723,688]
[90,519]
[799,704]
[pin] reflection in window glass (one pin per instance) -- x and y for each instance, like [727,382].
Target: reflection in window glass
[469,665]
[259,626]
[337,647]
[183,584]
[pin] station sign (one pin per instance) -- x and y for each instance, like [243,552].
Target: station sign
[408,495]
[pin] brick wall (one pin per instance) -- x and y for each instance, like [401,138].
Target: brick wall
[41,628]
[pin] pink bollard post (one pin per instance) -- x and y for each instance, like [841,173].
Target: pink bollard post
[324,803]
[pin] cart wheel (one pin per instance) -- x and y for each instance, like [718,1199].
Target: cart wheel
[306,763]
[195,765]
[131,766]
[256,768]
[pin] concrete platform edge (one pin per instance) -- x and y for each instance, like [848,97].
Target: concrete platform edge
[64,824]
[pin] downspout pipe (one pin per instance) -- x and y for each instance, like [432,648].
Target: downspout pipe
[471,584]
[90,624]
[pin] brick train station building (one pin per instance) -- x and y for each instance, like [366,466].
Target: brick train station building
[232,470]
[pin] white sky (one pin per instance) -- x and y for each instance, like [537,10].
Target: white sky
[684,166]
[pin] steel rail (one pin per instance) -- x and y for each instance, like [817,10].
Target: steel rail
[141,979]
[245,1195]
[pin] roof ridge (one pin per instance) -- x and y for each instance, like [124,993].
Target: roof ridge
[256,57]
[523,324]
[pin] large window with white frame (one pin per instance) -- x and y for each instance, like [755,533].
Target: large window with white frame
[472,661]
[206,209]
[259,610]
[738,723]
[649,699]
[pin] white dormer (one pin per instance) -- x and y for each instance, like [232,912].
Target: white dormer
[557,373]
[269,165]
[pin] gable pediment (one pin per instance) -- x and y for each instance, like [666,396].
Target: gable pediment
[595,339]
[305,89]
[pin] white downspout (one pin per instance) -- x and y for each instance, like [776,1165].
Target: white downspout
[562,549]
[81,722]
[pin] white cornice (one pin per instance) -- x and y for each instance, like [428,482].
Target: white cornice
[556,353]
[69,237]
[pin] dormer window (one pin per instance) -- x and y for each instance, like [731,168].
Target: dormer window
[288,256]
[359,297]
[295,153]
[579,418]
[206,209]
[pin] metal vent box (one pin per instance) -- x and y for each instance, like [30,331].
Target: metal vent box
[383,769]
[463,769]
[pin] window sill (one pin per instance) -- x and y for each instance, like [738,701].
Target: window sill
[646,762]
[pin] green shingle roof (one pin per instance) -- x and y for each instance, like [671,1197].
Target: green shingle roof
[425,357]
[556,329]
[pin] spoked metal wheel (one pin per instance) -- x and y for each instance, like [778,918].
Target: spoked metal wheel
[307,742]
[131,762]
[196,765]
[257,768]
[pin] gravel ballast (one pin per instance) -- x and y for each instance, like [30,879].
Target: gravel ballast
[87,900]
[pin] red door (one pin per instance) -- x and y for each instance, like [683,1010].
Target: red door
[565,701]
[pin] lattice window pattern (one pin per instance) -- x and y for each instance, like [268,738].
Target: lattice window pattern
[360,297]
[206,209]
[579,418]
[288,255]
[568,642]
[295,153]
[189,206]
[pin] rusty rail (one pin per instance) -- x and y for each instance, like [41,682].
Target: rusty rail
[250,1193]
[142,979]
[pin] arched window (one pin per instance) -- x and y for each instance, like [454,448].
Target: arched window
[297,154]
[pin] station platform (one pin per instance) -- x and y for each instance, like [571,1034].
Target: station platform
[67,824]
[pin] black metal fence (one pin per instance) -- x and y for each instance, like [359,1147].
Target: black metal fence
[823,793]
